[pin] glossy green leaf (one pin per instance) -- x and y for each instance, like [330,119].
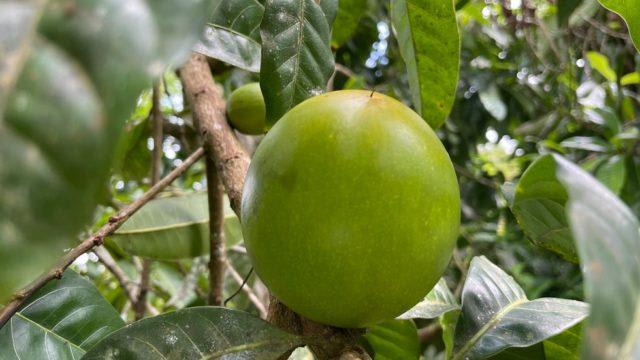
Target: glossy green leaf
[62,320]
[535,352]
[297,61]
[497,315]
[196,333]
[538,206]
[240,16]
[394,340]
[349,14]
[172,228]
[630,12]
[429,43]
[608,241]
[600,63]
[233,35]
[68,88]
[440,300]
[566,345]
[230,47]
[330,10]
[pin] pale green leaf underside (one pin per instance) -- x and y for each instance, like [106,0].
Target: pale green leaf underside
[497,315]
[606,234]
[230,47]
[196,333]
[439,301]
[429,43]
[173,228]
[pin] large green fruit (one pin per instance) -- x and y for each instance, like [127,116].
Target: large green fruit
[350,209]
[246,110]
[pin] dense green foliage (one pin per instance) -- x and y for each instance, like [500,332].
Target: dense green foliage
[543,135]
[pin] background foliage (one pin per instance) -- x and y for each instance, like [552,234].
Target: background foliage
[535,77]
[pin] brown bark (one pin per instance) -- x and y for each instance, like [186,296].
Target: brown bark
[94,240]
[232,162]
[216,234]
[208,107]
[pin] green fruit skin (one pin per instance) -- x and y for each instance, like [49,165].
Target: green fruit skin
[350,209]
[246,110]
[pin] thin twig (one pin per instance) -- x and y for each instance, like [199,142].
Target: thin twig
[130,287]
[157,121]
[94,240]
[255,300]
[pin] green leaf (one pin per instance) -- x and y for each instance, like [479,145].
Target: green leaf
[330,10]
[197,333]
[394,339]
[448,323]
[492,102]
[230,47]
[538,206]
[565,9]
[18,21]
[233,35]
[172,228]
[612,173]
[629,10]
[240,16]
[62,320]
[497,315]
[349,14]
[587,143]
[297,61]
[630,79]
[535,352]
[606,234]
[440,300]
[566,345]
[429,43]
[65,92]
[600,63]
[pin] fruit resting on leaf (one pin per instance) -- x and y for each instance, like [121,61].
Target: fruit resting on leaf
[246,111]
[350,209]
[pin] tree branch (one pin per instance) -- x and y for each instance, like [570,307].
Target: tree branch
[130,288]
[255,300]
[208,107]
[94,240]
[232,162]
[139,305]
[215,193]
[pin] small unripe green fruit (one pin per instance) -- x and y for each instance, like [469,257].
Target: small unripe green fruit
[246,110]
[350,209]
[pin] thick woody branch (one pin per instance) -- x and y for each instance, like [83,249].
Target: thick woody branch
[94,240]
[232,163]
[208,107]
